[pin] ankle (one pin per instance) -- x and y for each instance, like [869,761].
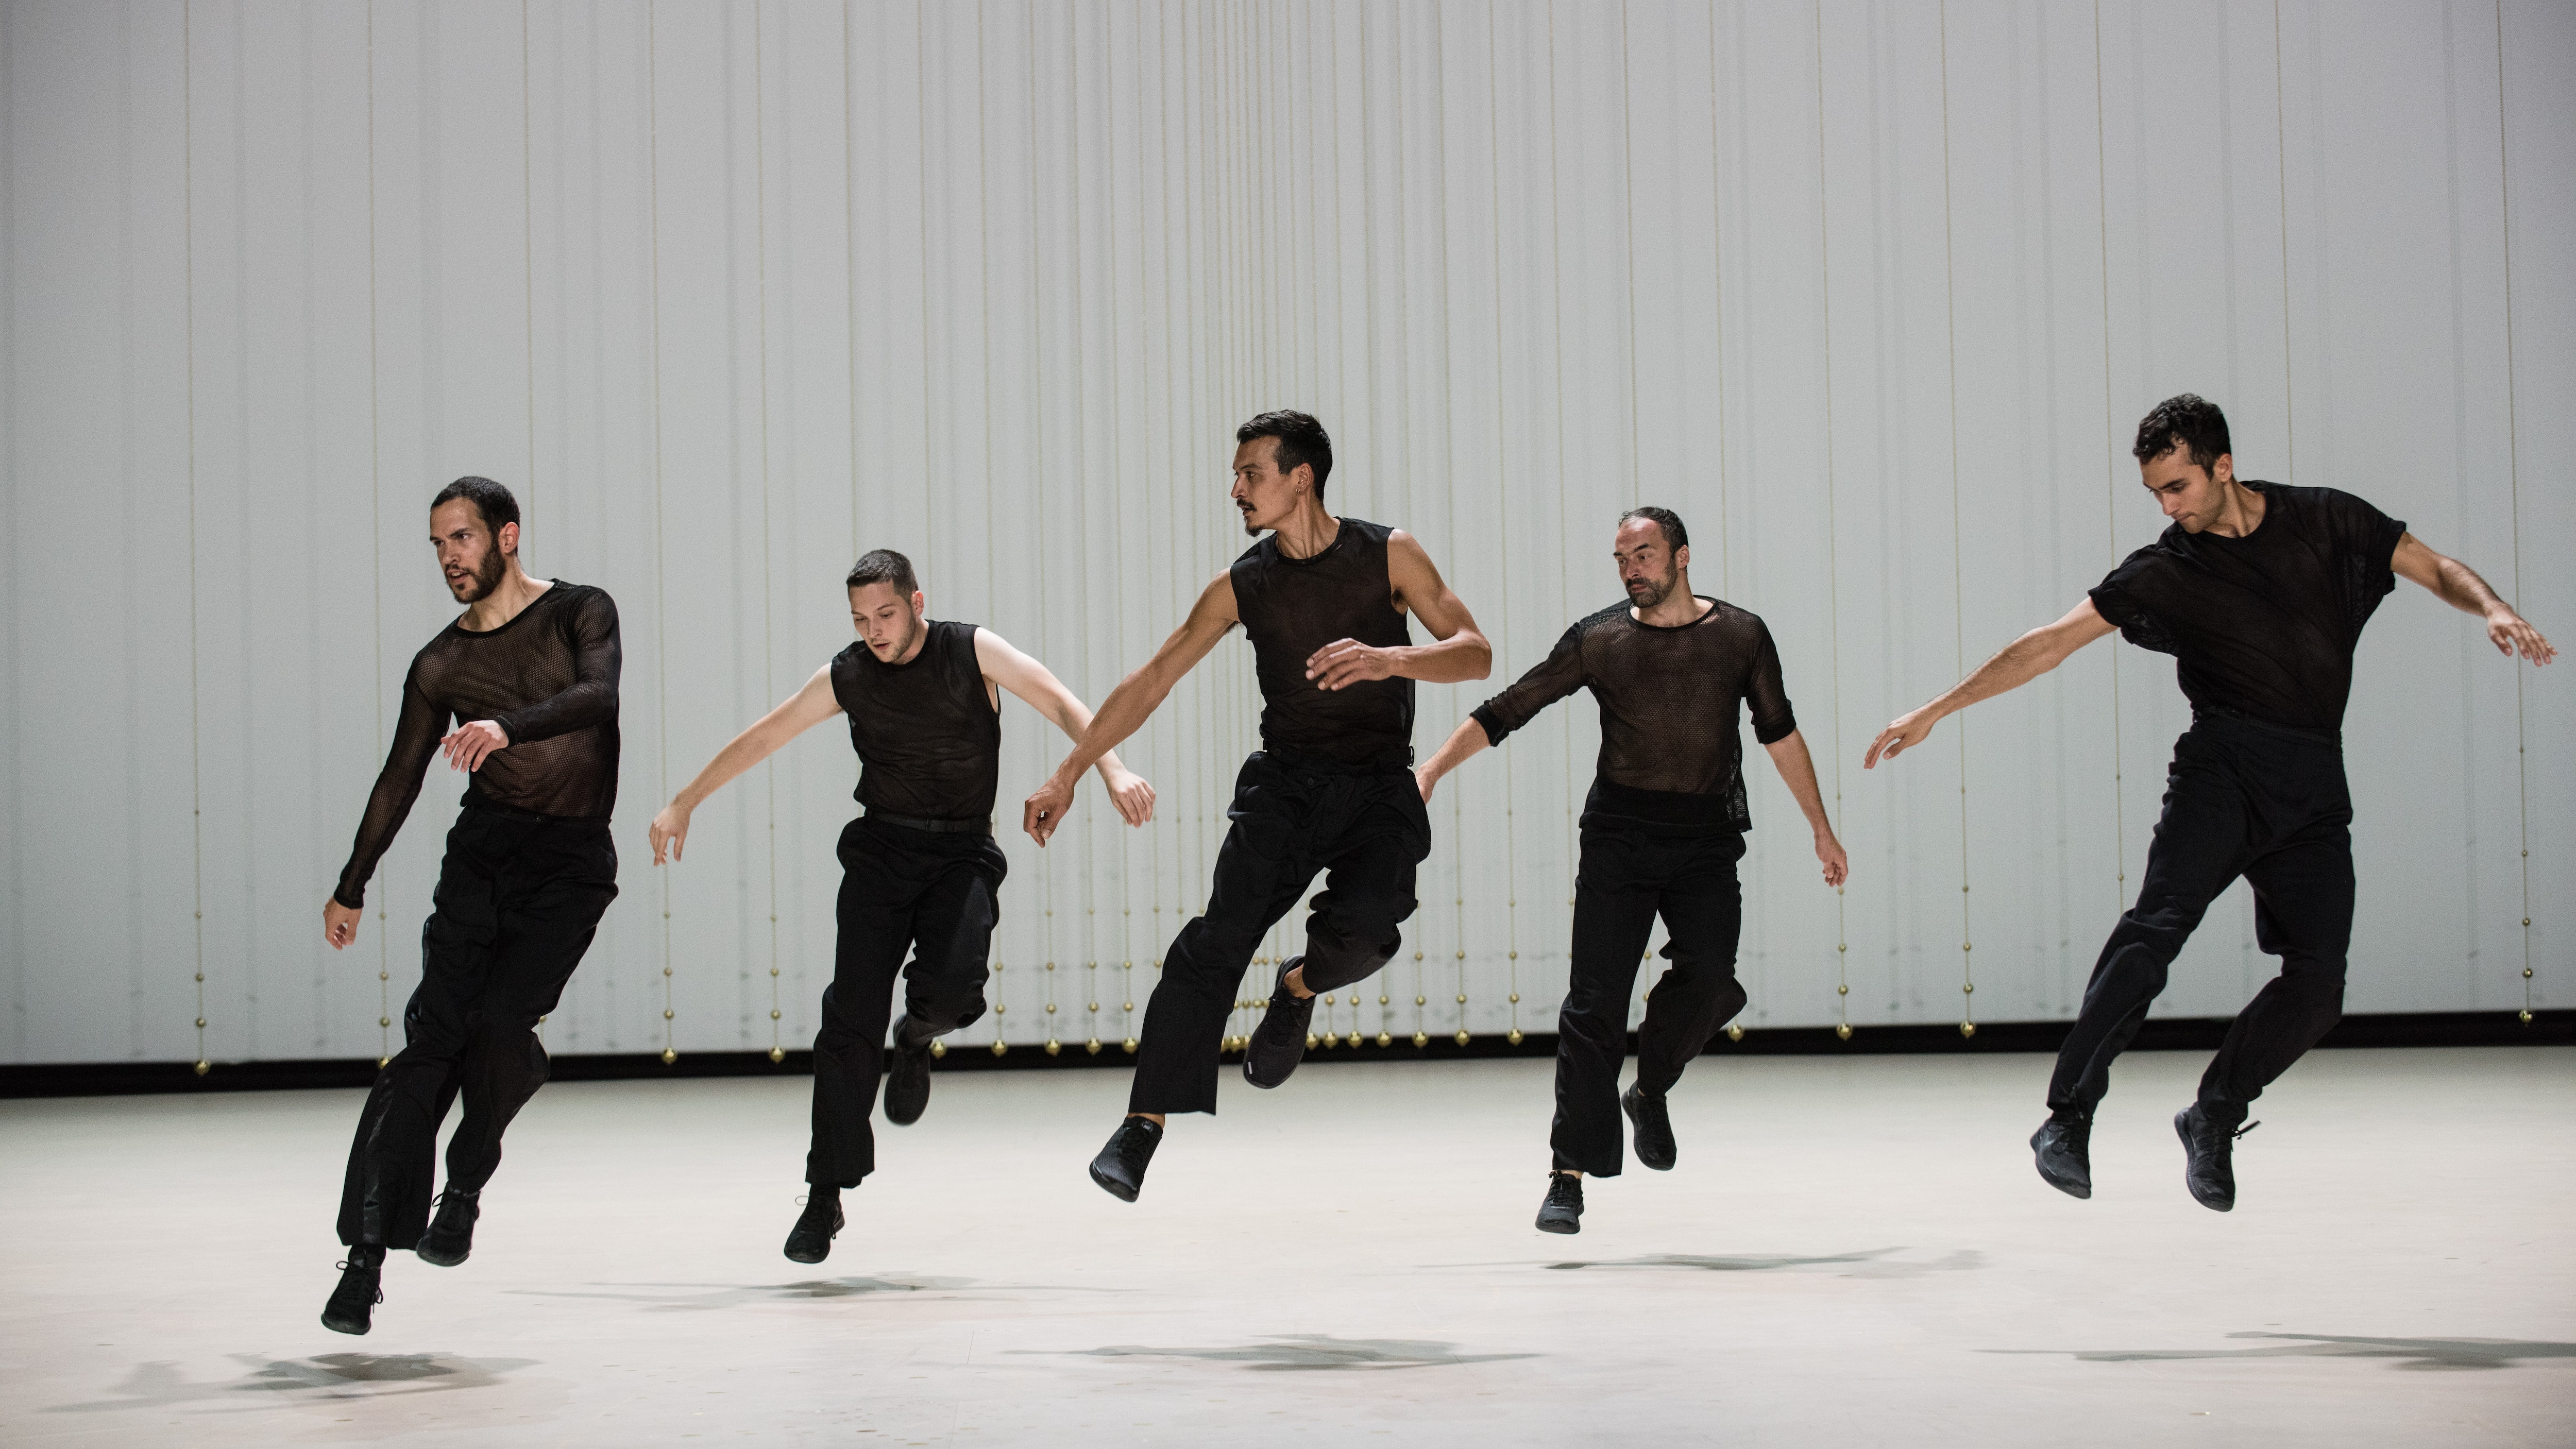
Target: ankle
[1295,981]
[366,1255]
[1154,1117]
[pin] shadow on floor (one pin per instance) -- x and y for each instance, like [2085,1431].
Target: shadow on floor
[700,1297]
[1306,1351]
[330,1376]
[1875,1263]
[2414,1353]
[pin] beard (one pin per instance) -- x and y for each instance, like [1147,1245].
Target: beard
[911,631]
[1650,593]
[1250,529]
[482,581]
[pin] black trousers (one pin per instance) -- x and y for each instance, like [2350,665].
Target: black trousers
[1629,875]
[934,894]
[1293,815]
[2243,799]
[519,898]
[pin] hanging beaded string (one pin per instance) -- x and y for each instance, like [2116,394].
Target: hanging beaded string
[2513,453]
[1958,586]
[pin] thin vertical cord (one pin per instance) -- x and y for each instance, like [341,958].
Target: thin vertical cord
[1118,536]
[2513,454]
[2110,472]
[1502,494]
[921,102]
[1833,531]
[1958,584]
[1556,334]
[1037,410]
[1628,239]
[376,530]
[984,331]
[2281,133]
[188,249]
[768,633]
[661,563]
[1717,279]
[527,239]
[850,265]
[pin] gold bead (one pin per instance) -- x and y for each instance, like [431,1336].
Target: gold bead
[201,1023]
[1735,1031]
[666,970]
[204,1066]
[2526,973]
[1843,1030]
[1516,998]
[1462,998]
[666,1013]
[1310,1041]
[1967,1028]
[1514,955]
[1513,1036]
[773,970]
[777,1055]
[1050,1008]
[1385,1040]
[938,1049]
[1053,1046]
[773,1013]
[1095,1006]
[1355,1039]
[1092,1046]
[1462,955]
[380,1021]
[1462,1036]
[383,1062]
[1842,946]
[999,1008]
[669,1056]
[381,976]
[1001,1049]
[1419,1000]
[1421,1039]
[1381,998]
[1131,1046]
[1127,1006]
[1967,988]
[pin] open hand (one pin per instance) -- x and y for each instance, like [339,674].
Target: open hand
[470,745]
[339,923]
[1908,731]
[1346,662]
[1044,810]
[670,828]
[1133,797]
[2513,634]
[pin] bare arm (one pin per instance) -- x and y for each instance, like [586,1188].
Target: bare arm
[1461,652]
[1467,739]
[1038,688]
[1132,703]
[800,712]
[2459,586]
[1798,771]
[2017,664]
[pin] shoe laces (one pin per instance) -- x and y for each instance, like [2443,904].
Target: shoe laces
[2212,1137]
[2075,1134]
[345,1266]
[1564,1189]
[1135,1142]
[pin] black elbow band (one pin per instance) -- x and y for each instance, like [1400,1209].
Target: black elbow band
[1495,729]
[1788,725]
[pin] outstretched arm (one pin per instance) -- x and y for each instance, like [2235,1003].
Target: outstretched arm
[1042,691]
[2020,662]
[1798,771]
[802,711]
[1133,702]
[1461,653]
[2459,586]
[1467,739]
[415,744]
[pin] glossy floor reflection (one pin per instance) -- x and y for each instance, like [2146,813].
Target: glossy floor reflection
[1851,1251]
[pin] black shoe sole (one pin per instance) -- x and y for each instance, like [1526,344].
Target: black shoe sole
[1559,1226]
[910,1111]
[437,1257]
[2068,1186]
[1628,1104]
[794,1256]
[342,1325]
[1111,1185]
[2182,1129]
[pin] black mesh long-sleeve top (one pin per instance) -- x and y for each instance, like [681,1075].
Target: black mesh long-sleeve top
[2264,625]
[1670,701]
[548,678]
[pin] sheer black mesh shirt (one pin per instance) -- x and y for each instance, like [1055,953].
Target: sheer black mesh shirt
[928,737]
[1671,698]
[2262,626]
[1291,607]
[548,678]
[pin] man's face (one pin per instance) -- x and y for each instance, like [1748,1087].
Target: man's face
[1649,567]
[1266,495]
[888,622]
[2190,494]
[468,554]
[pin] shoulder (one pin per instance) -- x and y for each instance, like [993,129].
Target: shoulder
[1609,616]
[1376,532]
[1260,552]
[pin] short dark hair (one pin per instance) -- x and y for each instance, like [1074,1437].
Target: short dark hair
[884,566]
[489,499]
[2185,420]
[1676,537]
[1297,439]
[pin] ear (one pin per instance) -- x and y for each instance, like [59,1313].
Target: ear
[2223,468]
[1302,477]
[920,601]
[508,538]
[1681,557]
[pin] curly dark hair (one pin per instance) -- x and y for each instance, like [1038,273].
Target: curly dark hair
[1297,438]
[1676,537]
[2185,420]
[884,566]
[489,499]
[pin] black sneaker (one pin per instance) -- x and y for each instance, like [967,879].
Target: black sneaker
[1563,1210]
[352,1307]
[810,1241]
[1120,1167]
[907,1084]
[2209,1161]
[450,1239]
[1654,1129]
[1279,1042]
[2063,1148]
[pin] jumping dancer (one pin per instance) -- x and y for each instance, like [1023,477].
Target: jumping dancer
[1662,829]
[2260,592]
[1331,789]
[919,869]
[529,675]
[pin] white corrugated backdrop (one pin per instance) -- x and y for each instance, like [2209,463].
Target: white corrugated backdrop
[1871,293]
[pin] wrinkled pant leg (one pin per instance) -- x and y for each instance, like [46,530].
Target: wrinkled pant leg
[2200,845]
[2303,899]
[943,986]
[557,886]
[1261,870]
[1615,892]
[875,927]
[1352,925]
[385,1194]
[1703,911]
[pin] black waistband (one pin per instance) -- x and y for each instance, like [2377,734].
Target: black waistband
[513,812]
[2211,717]
[1396,760]
[935,827]
[1613,801]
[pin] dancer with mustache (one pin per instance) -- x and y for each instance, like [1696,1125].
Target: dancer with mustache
[1324,602]
[1662,829]
[2260,592]
[528,673]
[919,869]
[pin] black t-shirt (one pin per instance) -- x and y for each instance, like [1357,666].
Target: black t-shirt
[2262,626]
[548,678]
[1291,607]
[928,737]
[1670,700]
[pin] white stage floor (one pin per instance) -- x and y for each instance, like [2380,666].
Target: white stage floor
[1852,1251]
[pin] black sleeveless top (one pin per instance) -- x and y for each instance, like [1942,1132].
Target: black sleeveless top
[1292,607]
[928,737]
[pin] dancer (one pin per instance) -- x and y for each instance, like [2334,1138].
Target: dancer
[2260,592]
[1662,829]
[529,674]
[919,869]
[1323,600]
